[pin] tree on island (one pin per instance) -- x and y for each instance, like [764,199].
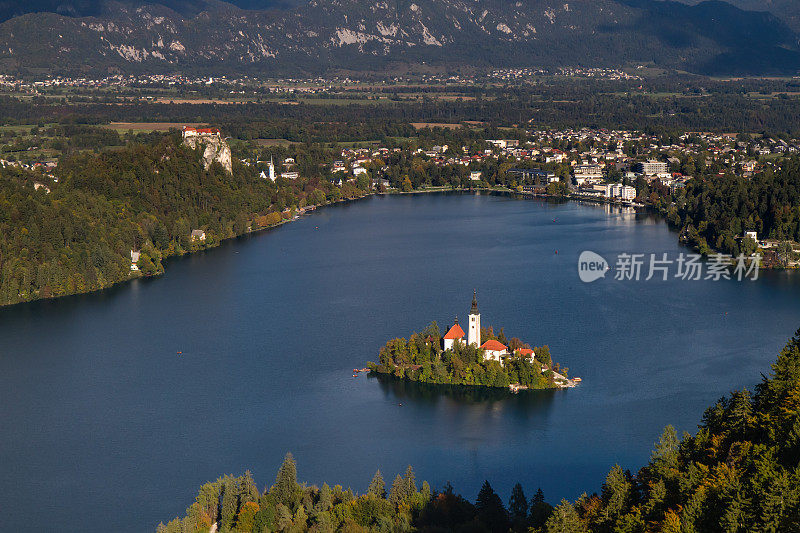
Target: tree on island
[488,333]
[420,358]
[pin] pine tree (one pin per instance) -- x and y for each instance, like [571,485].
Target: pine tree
[615,493]
[325,500]
[249,491]
[733,517]
[540,510]
[772,500]
[665,457]
[283,517]
[410,481]
[786,374]
[518,506]
[377,487]
[425,491]
[286,486]
[490,509]
[230,502]
[397,494]
[565,519]
[739,414]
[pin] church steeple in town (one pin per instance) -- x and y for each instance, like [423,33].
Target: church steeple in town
[271,169]
[474,310]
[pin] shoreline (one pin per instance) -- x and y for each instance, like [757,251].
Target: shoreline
[456,388]
[513,388]
[438,190]
[133,276]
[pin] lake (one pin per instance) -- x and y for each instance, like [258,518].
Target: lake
[106,428]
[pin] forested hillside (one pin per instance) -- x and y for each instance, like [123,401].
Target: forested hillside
[739,473]
[149,197]
[714,212]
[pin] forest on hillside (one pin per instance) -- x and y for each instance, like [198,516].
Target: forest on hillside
[712,213]
[739,473]
[76,233]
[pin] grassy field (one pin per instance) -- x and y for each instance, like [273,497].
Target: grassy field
[170,100]
[275,142]
[345,101]
[447,125]
[20,128]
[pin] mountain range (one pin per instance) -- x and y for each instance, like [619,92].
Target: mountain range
[786,10]
[282,37]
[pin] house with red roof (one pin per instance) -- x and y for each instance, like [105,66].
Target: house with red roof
[524,352]
[494,351]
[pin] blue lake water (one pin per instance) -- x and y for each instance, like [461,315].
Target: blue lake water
[105,428]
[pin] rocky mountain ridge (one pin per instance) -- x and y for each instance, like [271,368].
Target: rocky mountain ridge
[323,35]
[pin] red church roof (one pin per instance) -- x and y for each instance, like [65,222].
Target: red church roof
[525,351]
[494,345]
[455,332]
[212,131]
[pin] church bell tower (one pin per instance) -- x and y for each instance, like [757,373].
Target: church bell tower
[474,329]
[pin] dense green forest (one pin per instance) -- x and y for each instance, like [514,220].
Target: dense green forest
[713,213]
[739,473]
[144,196]
[421,358]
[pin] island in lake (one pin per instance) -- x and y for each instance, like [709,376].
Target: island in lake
[485,359]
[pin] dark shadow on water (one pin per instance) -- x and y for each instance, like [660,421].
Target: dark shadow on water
[430,393]
[66,304]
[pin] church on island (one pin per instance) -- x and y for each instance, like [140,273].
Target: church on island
[493,350]
[471,358]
